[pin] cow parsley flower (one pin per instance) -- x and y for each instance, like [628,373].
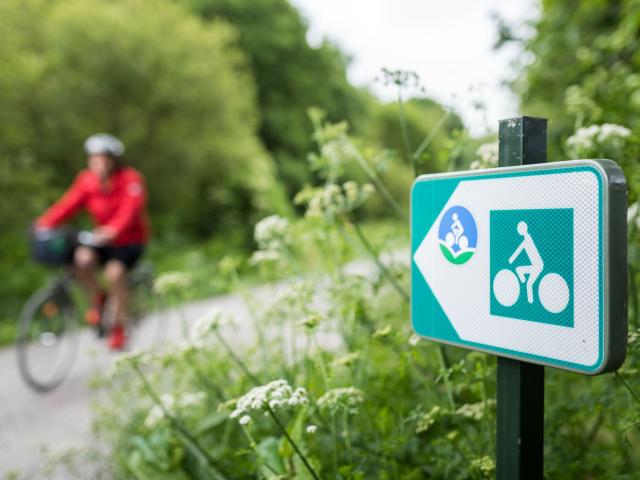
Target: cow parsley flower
[426,420]
[208,322]
[154,417]
[264,256]
[633,215]
[271,232]
[311,429]
[488,153]
[475,411]
[342,399]
[275,395]
[333,200]
[598,140]
[171,282]
[126,360]
[157,413]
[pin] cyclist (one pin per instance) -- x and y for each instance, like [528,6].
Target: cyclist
[115,197]
[456,228]
[534,269]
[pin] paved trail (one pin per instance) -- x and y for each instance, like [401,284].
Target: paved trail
[34,426]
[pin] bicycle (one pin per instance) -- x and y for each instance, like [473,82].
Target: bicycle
[46,344]
[553,290]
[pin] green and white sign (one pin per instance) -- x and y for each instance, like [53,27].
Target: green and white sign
[524,262]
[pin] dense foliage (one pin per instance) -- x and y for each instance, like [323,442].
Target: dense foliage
[210,98]
[290,76]
[581,67]
[177,92]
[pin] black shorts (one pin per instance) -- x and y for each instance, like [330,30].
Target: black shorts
[127,254]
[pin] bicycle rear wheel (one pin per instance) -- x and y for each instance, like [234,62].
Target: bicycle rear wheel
[46,346]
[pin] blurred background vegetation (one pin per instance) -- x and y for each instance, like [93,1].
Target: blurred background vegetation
[211,98]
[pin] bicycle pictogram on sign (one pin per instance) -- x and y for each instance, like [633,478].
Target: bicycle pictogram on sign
[532,265]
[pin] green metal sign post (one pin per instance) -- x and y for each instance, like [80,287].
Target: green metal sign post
[520,389]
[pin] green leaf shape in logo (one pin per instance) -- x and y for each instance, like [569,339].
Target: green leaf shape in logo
[460,259]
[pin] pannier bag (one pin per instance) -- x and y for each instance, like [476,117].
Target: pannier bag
[53,246]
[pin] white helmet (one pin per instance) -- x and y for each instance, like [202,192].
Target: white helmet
[104,143]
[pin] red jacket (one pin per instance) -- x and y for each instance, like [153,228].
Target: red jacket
[120,204]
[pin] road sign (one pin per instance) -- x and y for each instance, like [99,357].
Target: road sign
[524,262]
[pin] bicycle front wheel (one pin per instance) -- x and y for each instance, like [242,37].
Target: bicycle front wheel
[46,344]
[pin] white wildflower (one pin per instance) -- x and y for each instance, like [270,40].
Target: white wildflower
[275,395]
[414,340]
[345,398]
[612,131]
[157,412]
[264,256]
[598,140]
[633,214]
[171,282]
[210,321]
[311,429]
[332,199]
[271,232]
[488,153]
[127,360]
[245,419]
[351,191]
[154,417]
[475,411]
[229,264]
[426,420]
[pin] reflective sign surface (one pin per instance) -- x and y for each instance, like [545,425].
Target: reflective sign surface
[525,262]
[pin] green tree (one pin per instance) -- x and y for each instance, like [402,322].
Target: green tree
[176,90]
[582,66]
[291,76]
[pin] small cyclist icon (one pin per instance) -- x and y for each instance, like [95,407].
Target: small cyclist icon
[537,264]
[456,228]
[553,290]
[456,236]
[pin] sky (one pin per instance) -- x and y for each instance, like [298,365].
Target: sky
[448,43]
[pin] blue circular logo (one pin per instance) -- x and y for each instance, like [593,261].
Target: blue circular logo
[458,235]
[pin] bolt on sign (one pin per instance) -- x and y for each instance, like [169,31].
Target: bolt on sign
[525,262]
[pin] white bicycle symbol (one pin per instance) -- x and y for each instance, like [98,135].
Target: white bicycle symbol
[553,290]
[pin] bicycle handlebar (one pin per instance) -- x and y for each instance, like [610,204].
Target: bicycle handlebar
[81,237]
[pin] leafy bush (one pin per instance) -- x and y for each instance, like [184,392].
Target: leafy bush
[583,72]
[176,90]
[291,75]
